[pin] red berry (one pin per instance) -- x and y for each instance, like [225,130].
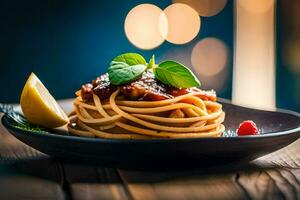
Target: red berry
[247,128]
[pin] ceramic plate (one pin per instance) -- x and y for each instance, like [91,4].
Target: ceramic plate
[278,129]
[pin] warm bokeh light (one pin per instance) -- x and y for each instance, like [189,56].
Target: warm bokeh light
[183,55]
[209,59]
[146,26]
[205,7]
[209,56]
[183,23]
[216,82]
[254,64]
[256,6]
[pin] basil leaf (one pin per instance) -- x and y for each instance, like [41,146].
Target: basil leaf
[131,59]
[176,75]
[151,63]
[120,73]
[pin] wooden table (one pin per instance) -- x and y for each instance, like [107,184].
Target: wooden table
[28,174]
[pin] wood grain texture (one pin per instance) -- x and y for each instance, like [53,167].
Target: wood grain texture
[144,185]
[26,173]
[92,182]
[274,176]
[27,187]
[270,184]
[286,157]
[95,191]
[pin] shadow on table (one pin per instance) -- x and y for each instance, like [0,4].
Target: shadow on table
[54,170]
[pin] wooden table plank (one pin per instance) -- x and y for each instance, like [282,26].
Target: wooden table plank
[28,187]
[271,184]
[142,185]
[95,191]
[275,176]
[25,173]
[92,182]
[288,157]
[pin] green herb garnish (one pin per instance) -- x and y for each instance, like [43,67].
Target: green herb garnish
[121,73]
[151,63]
[126,67]
[131,59]
[130,66]
[175,74]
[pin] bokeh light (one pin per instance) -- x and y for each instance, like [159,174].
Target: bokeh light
[213,80]
[254,59]
[216,82]
[183,23]
[209,59]
[146,26]
[209,56]
[205,7]
[256,6]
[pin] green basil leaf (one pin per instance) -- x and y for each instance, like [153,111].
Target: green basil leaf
[120,73]
[176,75]
[151,63]
[131,59]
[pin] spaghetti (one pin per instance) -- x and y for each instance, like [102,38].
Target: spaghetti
[116,117]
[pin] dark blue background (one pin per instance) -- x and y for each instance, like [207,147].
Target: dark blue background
[67,43]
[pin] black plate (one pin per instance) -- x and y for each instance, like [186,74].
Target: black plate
[278,130]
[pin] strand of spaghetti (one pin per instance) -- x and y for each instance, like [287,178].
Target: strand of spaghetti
[147,104]
[100,121]
[89,106]
[99,106]
[196,101]
[178,120]
[103,134]
[212,104]
[220,119]
[85,105]
[153,133]
[151,125]
[198,124]
[84,113]
[106,106]
[80,132]
[214,133]
[190,112]
[144,104]
[163,108]
[107,127]
[100,109]
[83,132]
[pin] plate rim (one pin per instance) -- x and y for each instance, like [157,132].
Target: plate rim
[5,121]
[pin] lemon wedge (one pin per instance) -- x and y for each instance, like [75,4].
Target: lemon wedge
[38,105]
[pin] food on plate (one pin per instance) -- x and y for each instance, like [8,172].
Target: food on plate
[39,107]
[247,127]
[140,100]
